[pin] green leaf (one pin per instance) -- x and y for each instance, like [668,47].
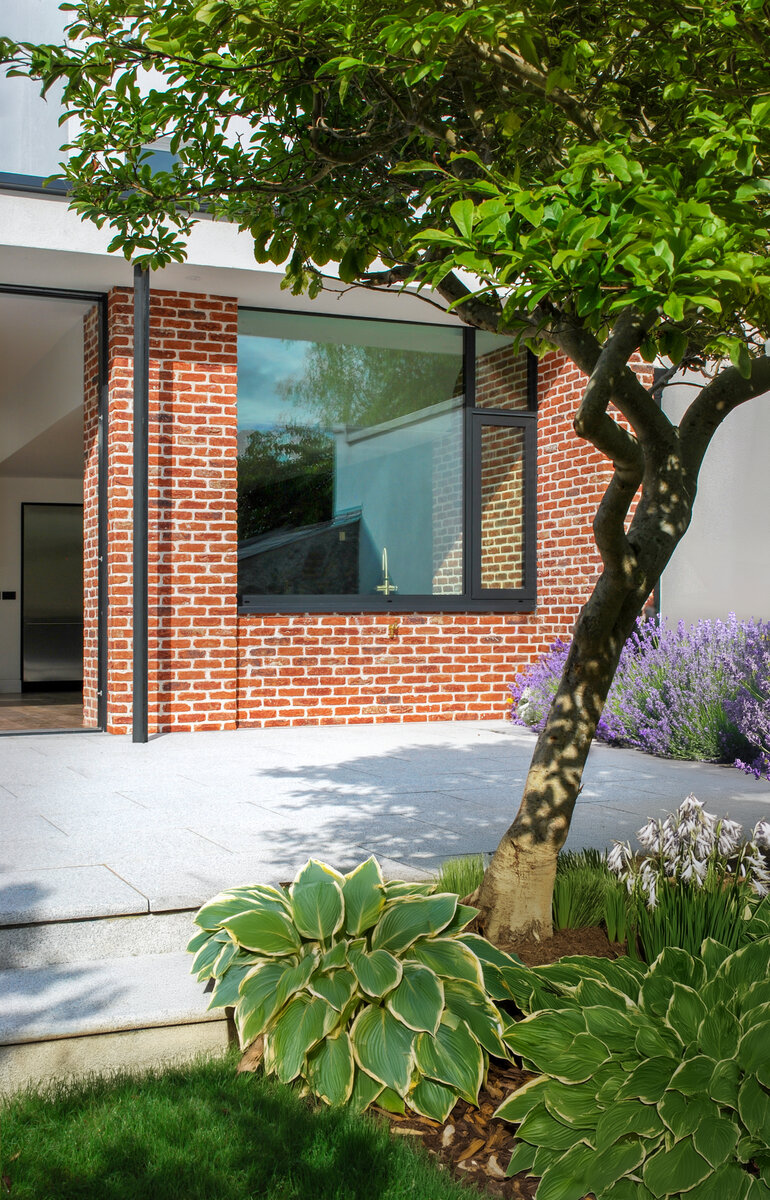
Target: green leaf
[471,1005]
[543,1129]
[617,1161]
[377,973]
[574,1103]
[683,1114]
[685,1012]
[331,1070]
[718,1032]
[715,1138]
[452,1056]
[335,987]
[365,1090]
[227,989]
[648,1081]
[624,1119]
[674,1170]
[754,1108]
[384,1048]
[515,1107]
[200,939]
[221,908]
[723,1085]
[266,931]
[258,1002]
[448,957]
[294,978]
[298,1028]
[404,921]
[693,1077]
[462,212]
[569,1177]
[433,1100]
[207,955]
[364,894]
[522,1158]
[754,1052]
[418,1000]
[318,908]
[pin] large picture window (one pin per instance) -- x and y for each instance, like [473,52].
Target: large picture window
[382,465]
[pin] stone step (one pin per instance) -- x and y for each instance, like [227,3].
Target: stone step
[75,941]
[100,1014]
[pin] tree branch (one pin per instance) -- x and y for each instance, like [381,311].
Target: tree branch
[713,403]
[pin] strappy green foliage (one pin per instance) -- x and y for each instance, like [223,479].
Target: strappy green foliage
[360,988]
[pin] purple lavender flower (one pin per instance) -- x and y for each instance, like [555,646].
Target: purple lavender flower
[701,692]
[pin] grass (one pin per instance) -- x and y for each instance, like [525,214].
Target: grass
[201,1132]
[461,875]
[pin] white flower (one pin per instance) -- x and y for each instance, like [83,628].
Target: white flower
[649,835]
[762,834]
[619,857]
[730,834]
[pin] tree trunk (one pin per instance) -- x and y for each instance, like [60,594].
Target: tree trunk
[516,894]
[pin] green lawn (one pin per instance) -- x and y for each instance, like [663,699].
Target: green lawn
[201,1132]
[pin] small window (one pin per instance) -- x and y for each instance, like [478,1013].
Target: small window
[363,481]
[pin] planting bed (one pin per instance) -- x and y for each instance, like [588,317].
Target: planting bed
[473,1146]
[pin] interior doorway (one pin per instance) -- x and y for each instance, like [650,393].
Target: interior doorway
[41,510]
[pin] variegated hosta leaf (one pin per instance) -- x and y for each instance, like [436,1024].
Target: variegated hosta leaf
[452,1056]
[315,871]
[404,922]
[226,992]
[377,972]
[365,1090]
[331,1069]
[448,957]
[207,955]
[300,1025]
[335,987]
[221,908]
[418,1000]
[471,1005]
[257,1002]
[433,1100]
[364,895]
[317,908]
[384,1048]
[267,931]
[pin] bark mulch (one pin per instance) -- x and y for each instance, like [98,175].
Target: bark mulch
[473,1146]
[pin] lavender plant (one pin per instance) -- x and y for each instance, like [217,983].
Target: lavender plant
[701,692]
[696,880]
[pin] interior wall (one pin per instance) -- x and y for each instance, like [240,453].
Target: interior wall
[13,493]
[50,391]
[722,564]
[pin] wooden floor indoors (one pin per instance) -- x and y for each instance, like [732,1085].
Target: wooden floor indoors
[24,712]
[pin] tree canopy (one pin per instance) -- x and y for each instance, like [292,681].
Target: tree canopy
[589,175]
[573,160]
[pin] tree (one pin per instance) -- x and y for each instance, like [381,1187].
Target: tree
[591,176]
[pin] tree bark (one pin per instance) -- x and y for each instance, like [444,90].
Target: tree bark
[515,897]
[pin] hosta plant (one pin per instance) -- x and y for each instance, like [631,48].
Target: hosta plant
[652,1081]
[359,988]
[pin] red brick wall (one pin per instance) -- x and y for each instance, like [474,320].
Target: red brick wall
[211,669]
[192,522]
[90,515]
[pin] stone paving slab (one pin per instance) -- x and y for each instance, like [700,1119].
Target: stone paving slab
[63,894]
[102,996]
[162,825]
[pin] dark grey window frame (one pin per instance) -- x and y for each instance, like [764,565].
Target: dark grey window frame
[473,598]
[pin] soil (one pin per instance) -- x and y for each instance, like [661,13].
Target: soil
[473,1146]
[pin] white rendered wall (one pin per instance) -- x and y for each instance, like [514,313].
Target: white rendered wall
[722,564]
[13,493]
